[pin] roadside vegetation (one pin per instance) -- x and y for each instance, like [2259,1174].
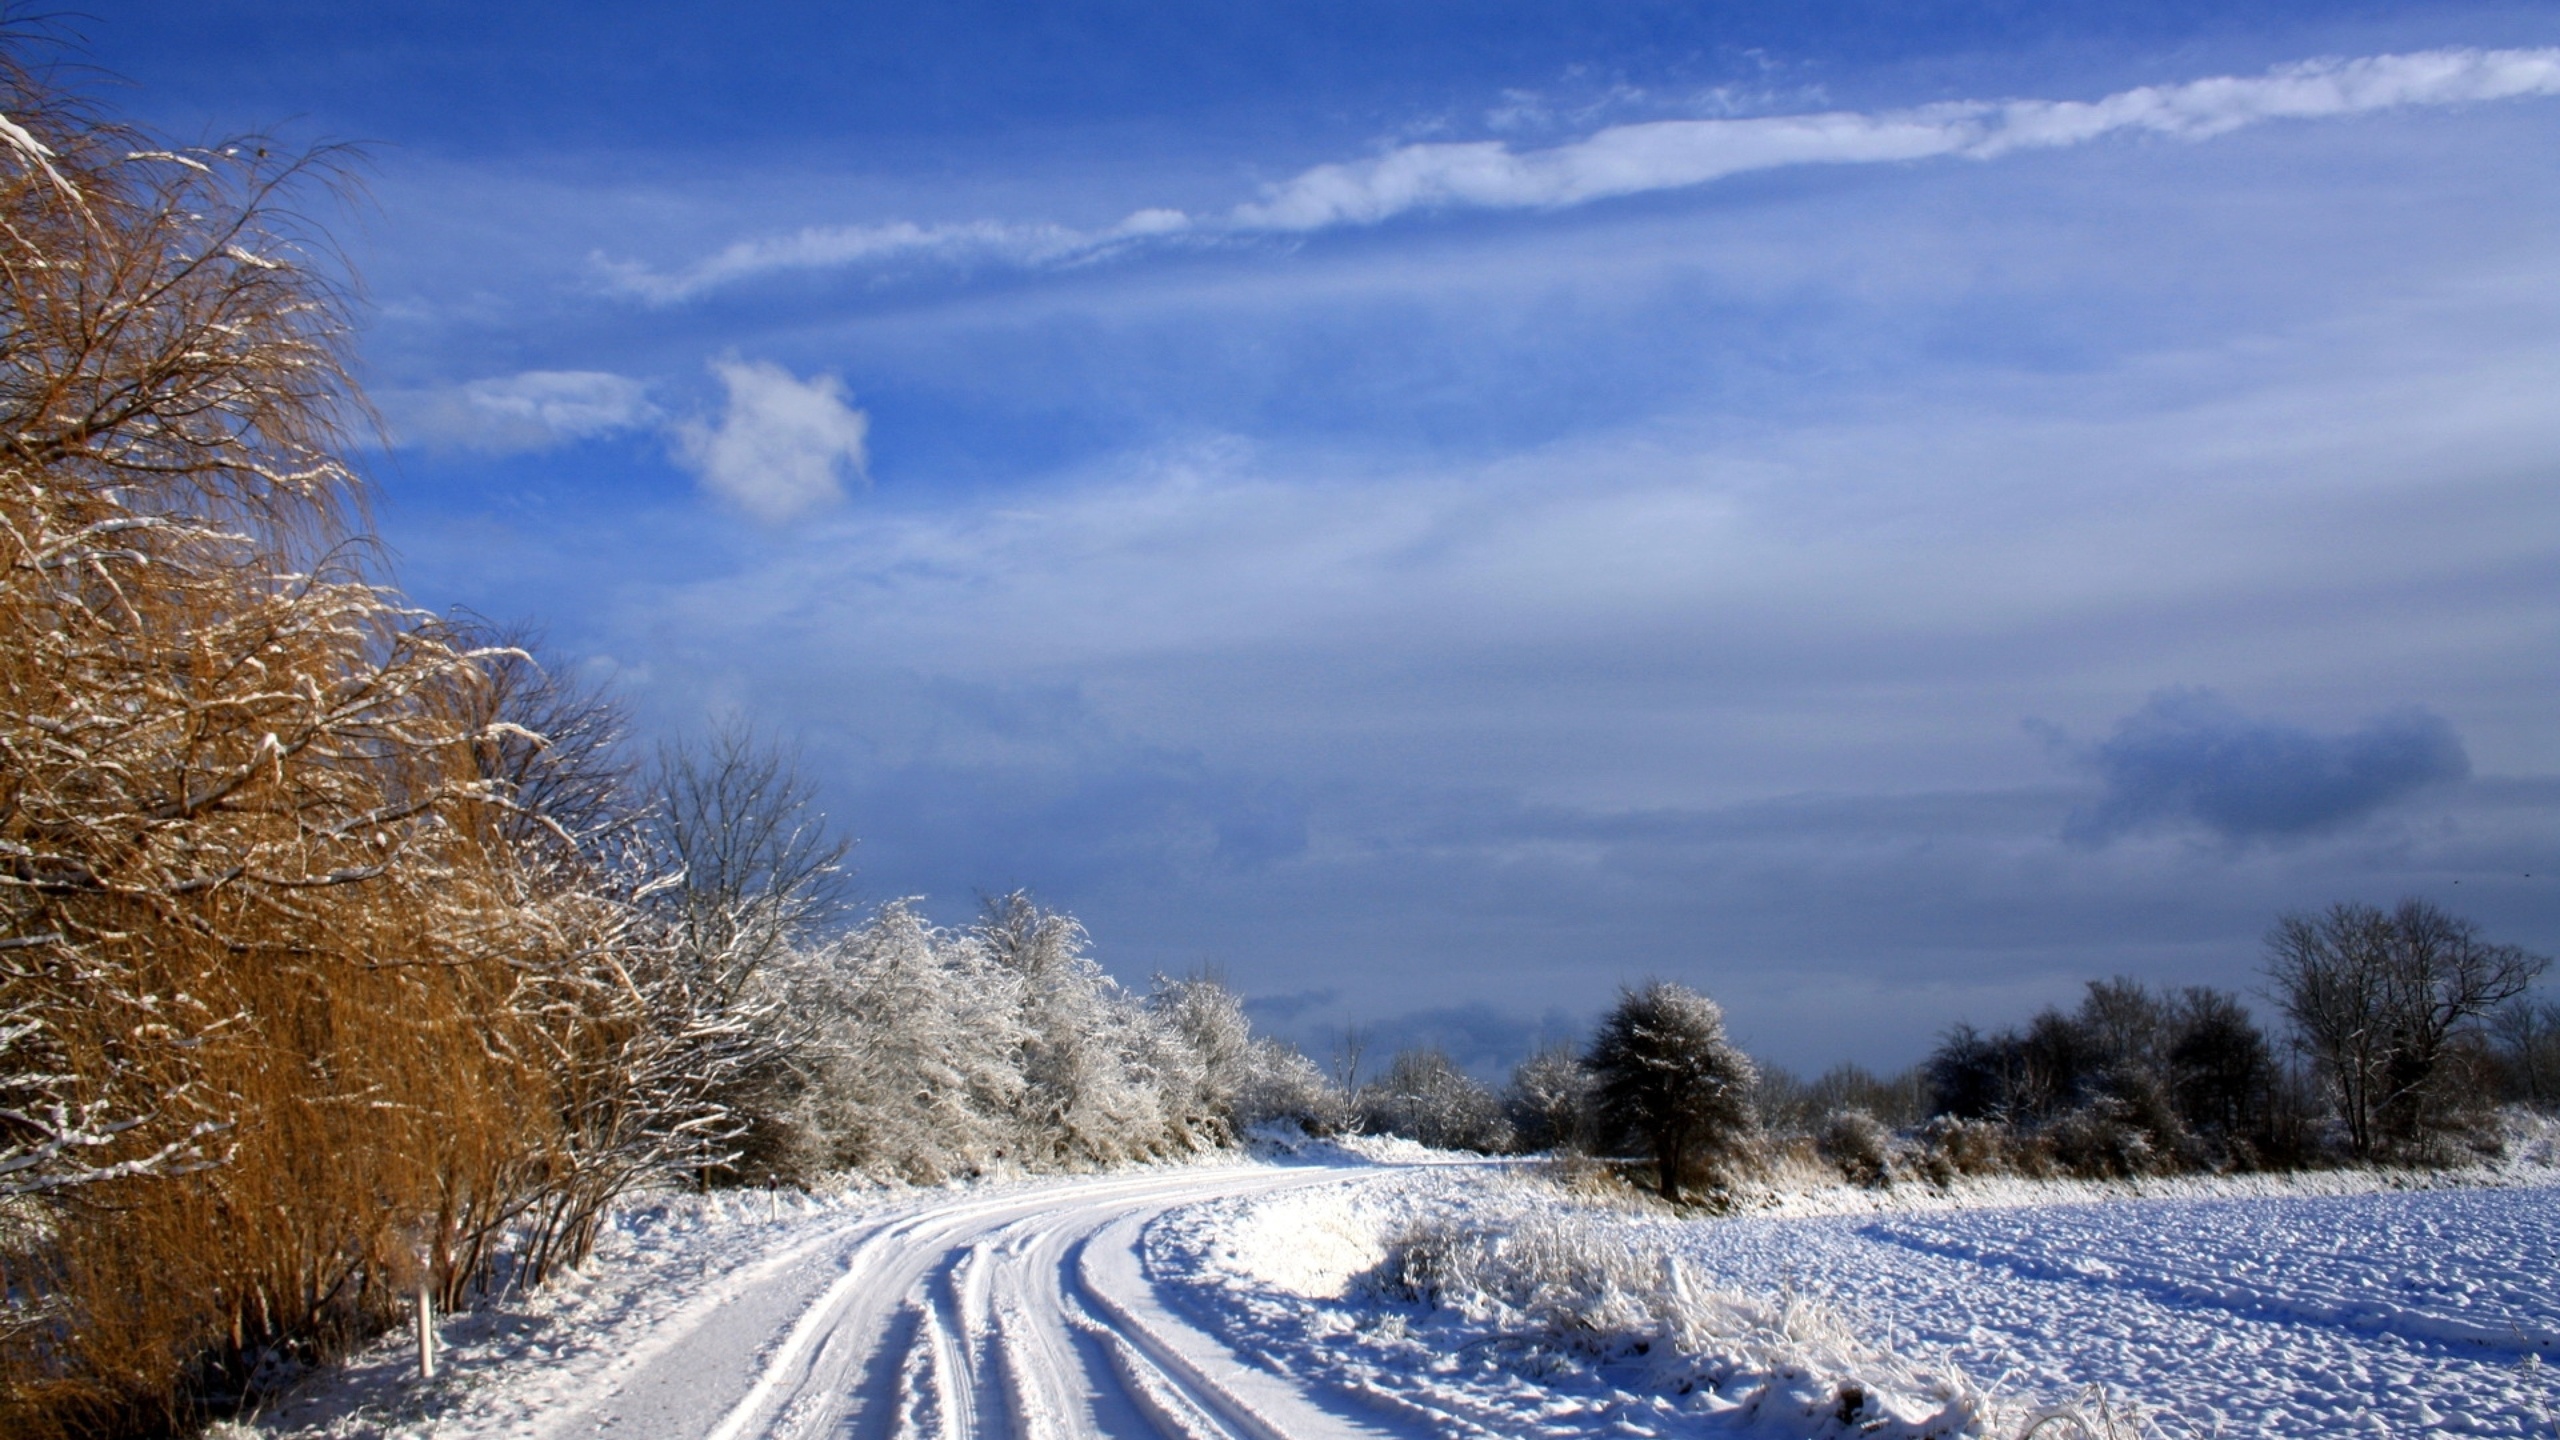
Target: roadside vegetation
[352,960]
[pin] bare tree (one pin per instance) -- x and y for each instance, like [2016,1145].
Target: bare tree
[2378,1000]
[2527,1033]
[1670,1079]
[758,870]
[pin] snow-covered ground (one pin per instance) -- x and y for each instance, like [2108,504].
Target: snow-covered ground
[2432,1312]
[1384,1291]
[2393,1311]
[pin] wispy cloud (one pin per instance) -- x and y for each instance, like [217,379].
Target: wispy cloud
[832,247]
[782,447]
[534,410]
[1632,159]
[1675,154]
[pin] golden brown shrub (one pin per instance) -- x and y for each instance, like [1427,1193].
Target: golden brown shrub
[297,1007]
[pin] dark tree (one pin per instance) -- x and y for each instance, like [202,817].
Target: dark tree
[2218,1063]
[1669,1079]
[2527,1034]
[1970,1073]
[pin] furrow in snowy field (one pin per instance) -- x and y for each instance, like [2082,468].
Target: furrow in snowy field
[2313,1303]
[2301,1316]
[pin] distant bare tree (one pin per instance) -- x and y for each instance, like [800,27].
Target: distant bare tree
[1424,1096]
[2379,1000]
[2527,1033]
[757,867]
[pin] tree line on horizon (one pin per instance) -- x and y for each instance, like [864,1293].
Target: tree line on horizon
[2406,1030]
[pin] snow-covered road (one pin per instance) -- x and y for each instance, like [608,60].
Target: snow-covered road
[1022,1314]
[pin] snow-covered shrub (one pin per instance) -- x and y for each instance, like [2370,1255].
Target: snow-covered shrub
[1285,1087]
[1951,1146]
[913,1055]
[1859,1145]
[1104,1078]
[1553,1102]
[926,1053]
[1425,1097]
[2099,1141]
[1244,1080]
[1560,1287]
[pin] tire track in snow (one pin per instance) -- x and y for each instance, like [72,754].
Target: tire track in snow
[1027,1315]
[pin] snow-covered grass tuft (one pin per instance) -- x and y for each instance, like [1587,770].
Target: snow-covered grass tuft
[1563,1290]
[2095,1415]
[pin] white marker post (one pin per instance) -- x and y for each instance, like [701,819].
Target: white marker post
[426,1331]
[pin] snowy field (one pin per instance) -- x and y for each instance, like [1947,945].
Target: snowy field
[2413,1312]
[1385,1291]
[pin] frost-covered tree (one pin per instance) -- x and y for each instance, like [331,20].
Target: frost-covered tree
[1099,1070]
[1245,1079]
[1211,1022]
[1669,1079]
[913,1059]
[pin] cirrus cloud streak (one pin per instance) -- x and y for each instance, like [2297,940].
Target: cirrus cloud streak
[1634,159]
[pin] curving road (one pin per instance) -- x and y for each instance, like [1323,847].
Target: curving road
[1025,1315]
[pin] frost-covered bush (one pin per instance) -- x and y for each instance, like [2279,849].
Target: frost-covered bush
[1424,1096]
[924,1053]
[1104,1079]
[1859,1145]
[1285,1087]
[1553,1102]
[1560,1287]
[1951,1146]
[913,1055]
[1243,1079]
[2099,1141]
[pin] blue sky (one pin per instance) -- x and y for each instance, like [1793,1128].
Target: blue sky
[1882,512]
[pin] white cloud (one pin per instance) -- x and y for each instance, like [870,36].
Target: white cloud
[783,447]
[828,247]
[1674,154]
[1651,156]
[534,410]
